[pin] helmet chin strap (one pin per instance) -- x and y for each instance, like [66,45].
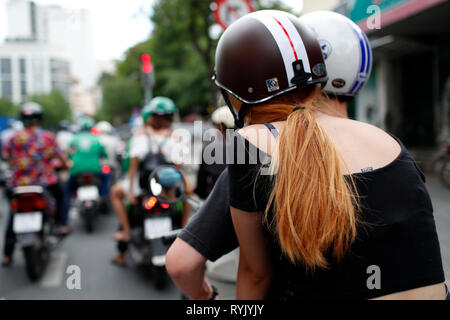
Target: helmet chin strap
[238,116]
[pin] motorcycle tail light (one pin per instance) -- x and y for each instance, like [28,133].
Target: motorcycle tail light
[28,203]
[106,169]
[165,205]
[40,203]
[14,205]
[150,203]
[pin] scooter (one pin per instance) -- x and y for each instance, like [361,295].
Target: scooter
[34,225]
[156,221]
[88,198]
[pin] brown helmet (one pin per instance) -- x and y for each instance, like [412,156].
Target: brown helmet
[265,54]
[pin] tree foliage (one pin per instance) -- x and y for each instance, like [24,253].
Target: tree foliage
[182,53]
[7,108]
[120,96]
[55,108]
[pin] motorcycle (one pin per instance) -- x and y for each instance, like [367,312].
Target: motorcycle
[156,221]
[34,225]
[88,198]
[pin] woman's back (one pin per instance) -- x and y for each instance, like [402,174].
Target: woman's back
[396,248]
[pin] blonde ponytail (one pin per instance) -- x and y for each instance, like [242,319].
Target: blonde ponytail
[315,206]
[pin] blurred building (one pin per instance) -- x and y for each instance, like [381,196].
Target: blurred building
[28,68]
[314,5]
[408,93]
[46,48]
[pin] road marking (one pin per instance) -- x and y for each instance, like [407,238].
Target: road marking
[54,272]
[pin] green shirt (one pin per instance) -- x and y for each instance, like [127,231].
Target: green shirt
[86,152]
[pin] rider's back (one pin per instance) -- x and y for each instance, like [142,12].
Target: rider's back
[86,153]
[396,238]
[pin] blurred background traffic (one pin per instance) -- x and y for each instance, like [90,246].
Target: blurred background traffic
[105,60]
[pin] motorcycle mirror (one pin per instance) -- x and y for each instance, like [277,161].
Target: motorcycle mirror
[167,184]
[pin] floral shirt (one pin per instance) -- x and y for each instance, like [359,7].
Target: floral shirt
[30,153]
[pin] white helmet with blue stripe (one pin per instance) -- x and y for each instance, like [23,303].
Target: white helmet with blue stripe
[347,52]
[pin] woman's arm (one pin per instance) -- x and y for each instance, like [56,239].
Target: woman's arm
[255,267]
[186,266]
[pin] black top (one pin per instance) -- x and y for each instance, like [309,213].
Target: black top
[399,244]
[209,171]
[210,231]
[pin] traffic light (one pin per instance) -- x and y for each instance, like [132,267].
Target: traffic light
[147,66]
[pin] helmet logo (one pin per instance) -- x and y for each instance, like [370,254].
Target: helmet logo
[272,84]
[326,48]
[338,83]
[319,69]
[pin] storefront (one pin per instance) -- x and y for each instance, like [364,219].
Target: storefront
[408,93]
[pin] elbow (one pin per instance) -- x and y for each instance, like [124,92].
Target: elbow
[181,263]
[259,281]
[257,278]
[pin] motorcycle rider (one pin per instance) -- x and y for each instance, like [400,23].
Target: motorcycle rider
[336,199]
[209,171]
[111,144]
[154,138]
[186,259]
[30,153]
[64,135]
[107,139]
[85,153]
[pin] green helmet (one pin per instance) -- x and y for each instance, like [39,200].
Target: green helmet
[159,106]
[86,124]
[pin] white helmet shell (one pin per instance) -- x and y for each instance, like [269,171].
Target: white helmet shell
[224,116]
[346,50]
[104,127]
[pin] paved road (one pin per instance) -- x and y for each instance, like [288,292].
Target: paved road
[101,280]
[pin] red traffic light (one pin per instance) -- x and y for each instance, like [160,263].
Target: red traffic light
[147,68]
[146,58]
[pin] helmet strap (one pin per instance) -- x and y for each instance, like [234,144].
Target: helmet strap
[239,121]
[238,116]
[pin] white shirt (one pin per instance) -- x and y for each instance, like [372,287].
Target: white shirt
[175,150]
[110,143]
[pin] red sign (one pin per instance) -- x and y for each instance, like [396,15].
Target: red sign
[228,11]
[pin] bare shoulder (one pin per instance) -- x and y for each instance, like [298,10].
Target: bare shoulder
[362,144]
[260,136]
[373,134]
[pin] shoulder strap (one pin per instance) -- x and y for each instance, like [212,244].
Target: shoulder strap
[272,129]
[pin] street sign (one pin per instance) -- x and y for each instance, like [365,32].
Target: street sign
[228,11]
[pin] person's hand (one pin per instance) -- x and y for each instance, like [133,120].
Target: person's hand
[207,293]
[123,236]
[131,198]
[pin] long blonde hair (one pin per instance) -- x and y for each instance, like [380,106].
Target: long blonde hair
[315,206]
